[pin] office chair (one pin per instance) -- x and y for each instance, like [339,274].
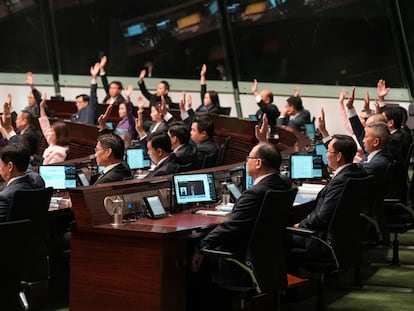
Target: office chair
[264,265]
[14,238]
[340,248]
[224,111]
[222,150]
[34,205]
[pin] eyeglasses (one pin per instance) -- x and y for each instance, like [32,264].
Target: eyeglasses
[97,149]
[327,151]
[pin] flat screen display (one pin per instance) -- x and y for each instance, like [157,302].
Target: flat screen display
[60,177]
[194,188]
[306,166]
[310,130]
[321,150]
[138,159]
[249,179]
[155,207]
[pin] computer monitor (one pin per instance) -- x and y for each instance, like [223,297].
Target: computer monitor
[138,159]
[194,188]
[321,150]
[83,180]
[306,166]
[310,130]
[248,179]
[60,177]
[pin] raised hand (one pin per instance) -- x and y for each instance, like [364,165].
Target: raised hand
[382,90]
[189,101]
[29,78]
[203,70]
[103,118]
[350,103]
[128,91]
[139,124]
[140,104]
[102,64]
[5,120]
[322,124]
[297,92]
[366,102]
[94,70]
[182,104]
[254,87]
[163,106]
[261,132]
[142,74]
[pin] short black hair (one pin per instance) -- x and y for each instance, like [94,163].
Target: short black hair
[166,84]
[18,154]
[269,155]
[84,97]
[395,114]
[205,123]
[113,142]
[160,140]
[296,102]
[181,131]
[346,145]
[118,84]
[28,115]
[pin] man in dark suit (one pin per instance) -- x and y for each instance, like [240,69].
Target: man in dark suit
[294,115]
[87,105]
[162,90]
[109,152]
[159,150]
[264,100]
[340,153]
[113,90]
[25,128]
[180,143]
[14,160]
[202,135]
[233,234]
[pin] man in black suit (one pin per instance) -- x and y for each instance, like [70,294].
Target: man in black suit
[87,105]
[109,152]
[162,90]
[202,135]
[264,100]
[159,150]
[180,143]
[233,234]
[340,153]
[294,115]
[113,90]
[14,160]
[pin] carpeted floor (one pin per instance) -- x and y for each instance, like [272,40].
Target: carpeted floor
[385,287]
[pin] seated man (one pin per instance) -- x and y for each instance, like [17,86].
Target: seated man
[87,106]
[202,135]
[162,90]
[180,143]
[340,153]
[14,161]
[264,100]
[294,115]
[109,152]
[232,235]
[113,90]
[159,150]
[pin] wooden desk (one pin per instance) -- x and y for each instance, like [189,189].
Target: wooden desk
[136,266]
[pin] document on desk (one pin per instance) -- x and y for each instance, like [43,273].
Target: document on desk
[310,188]
[212,212]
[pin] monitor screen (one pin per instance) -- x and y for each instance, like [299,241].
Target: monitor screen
[306,166]
[194,188]
[60,177]
[249,179]
[321,150]
[84,181]
[310,130]
[138,159]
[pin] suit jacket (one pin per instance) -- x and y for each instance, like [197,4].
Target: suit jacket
[207,152]
[204,108]
[186,154]
[233,234]
[153,98]
[6,195]
[32,137]
[118,173]
[88,115]
[298,122]
[119,99]
[167,167]
[327,199]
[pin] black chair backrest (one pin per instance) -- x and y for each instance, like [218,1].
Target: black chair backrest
[222,150]
[14,237]
[225,110]
[344,231]
[34,205]
[265,250]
